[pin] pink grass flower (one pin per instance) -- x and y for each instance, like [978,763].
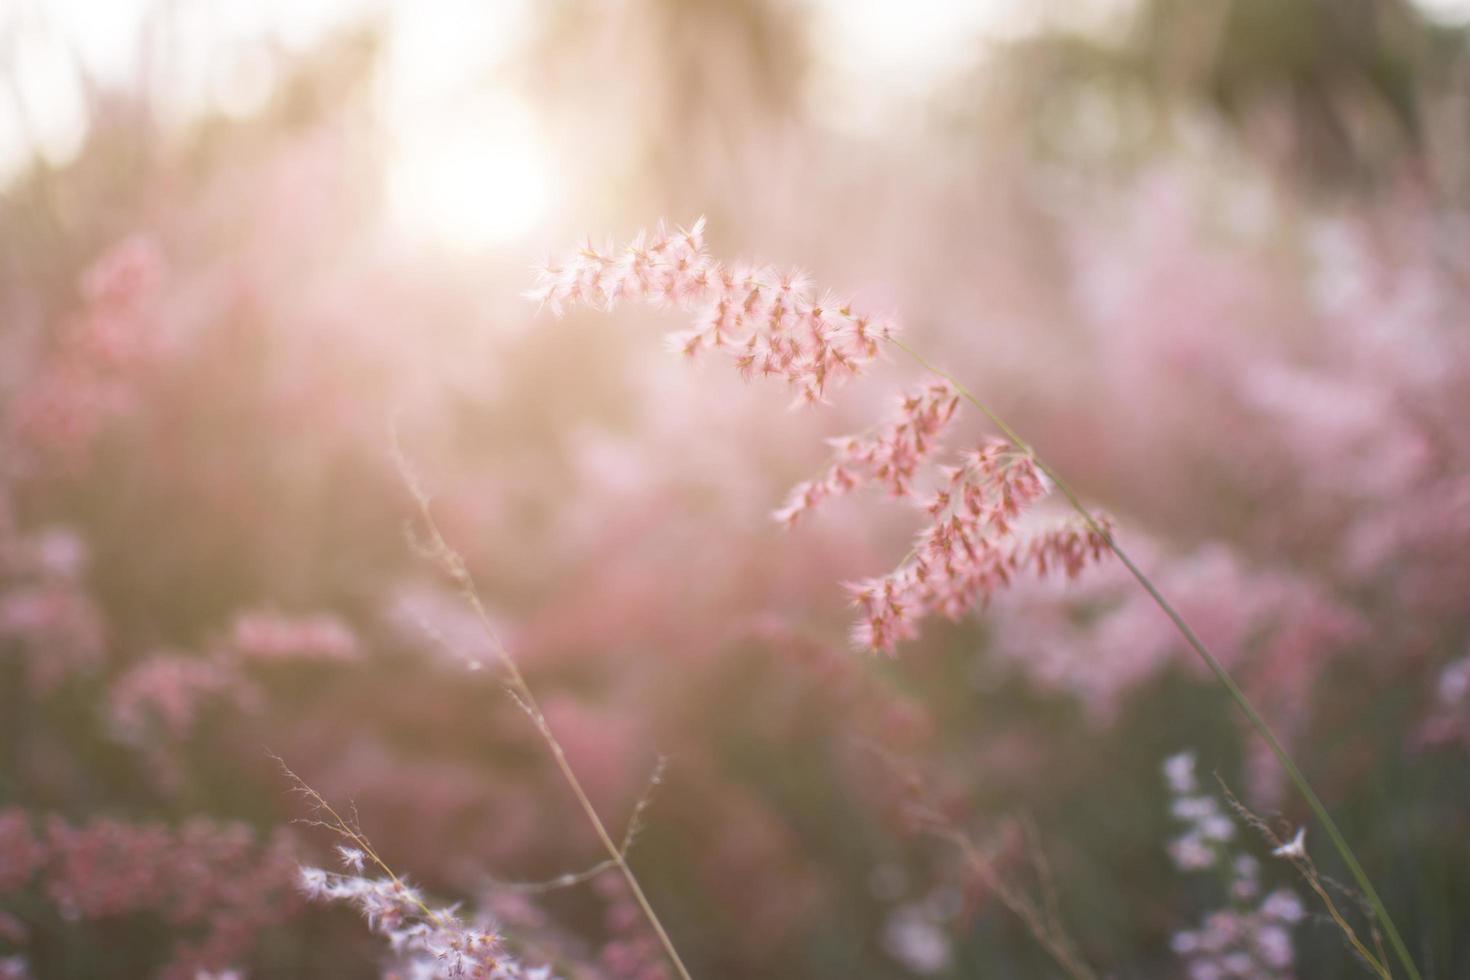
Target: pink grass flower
[891,456]
[168,691]
[973,546]
[271,638]
[773,324]
[214,882]
[21,852]
[767,323]
[59,631]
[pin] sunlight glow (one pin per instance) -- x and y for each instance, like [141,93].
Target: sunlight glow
[472,178]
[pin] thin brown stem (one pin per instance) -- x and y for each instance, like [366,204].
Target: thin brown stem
[1304,866]
[454,565]
[350,831]
[1039,920]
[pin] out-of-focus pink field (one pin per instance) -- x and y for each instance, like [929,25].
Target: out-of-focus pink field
[276,356]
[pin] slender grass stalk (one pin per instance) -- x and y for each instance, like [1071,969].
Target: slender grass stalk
[1304,866]
[458,570]
[527,699]
[349,831]
[1223,676]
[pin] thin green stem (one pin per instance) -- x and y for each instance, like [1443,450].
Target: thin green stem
[1218,669]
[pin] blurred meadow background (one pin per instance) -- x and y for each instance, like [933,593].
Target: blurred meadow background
[1211,258]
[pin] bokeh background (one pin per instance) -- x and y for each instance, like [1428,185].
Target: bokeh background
[1210,258]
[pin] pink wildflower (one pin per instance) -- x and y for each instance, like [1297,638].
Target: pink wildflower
[971,548]
[59,629]
[106,868]
[167,690]
[268,637]
[631,953]
[215,883]
[772,324]
[20,852]
[767,323]
[891,456]
[126,275]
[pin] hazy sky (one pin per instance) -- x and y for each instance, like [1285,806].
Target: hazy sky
[433,44]
[871,55]
[222,56]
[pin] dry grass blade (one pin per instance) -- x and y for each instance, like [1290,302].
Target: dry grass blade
[1319,883]
[433,546]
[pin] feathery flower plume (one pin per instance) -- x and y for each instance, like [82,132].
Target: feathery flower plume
[971,548]
[770,324]
[433,943]
[767,323]
[430,942]
[775,327]
[892,455]
[974,545]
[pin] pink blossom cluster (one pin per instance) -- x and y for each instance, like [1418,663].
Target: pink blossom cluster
[891,456]
[1207,827]
[86,381]
[214,883]
[972,546]
[21,853]
[427,942]
[768,323]
[126,276]
[164,691]
[1097,640]
[771,325]
[1448,719]
[271,637]
[156,703]
[1338,415]
[106,868]
[45,611]
[52,553]
[167,690]
[1252,942]
[1251,936]
[632,952]
[56,627]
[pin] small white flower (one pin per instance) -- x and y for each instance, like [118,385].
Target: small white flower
[1190,853]
[312,882]
[1274,945]
[1294,848]
[1193,808]
[1217,828]
[1179,771]
[1238,965]
[1283,906]
[352,858]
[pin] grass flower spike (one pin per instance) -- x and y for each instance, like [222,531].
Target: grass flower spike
[771,325]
